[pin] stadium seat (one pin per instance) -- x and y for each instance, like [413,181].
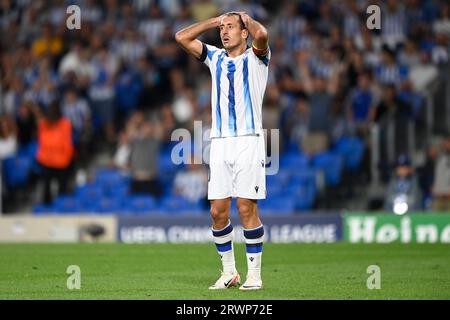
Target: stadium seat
[166,164]
[294,161]
[17,170]
[281,178]
[88,195]
[119,191]
[179,205]
[304,177]
[108,205]
[110,178]
[277,205]
[304,194]
[274,190]
[89,192]
[66,204]
[139,204]
[332,165]
[352,149]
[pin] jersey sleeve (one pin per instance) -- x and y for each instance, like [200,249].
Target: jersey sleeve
[208,52]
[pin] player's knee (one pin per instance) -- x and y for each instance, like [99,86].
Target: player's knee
[245,210]
[218,213]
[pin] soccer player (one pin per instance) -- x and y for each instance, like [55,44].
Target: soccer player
[237,153]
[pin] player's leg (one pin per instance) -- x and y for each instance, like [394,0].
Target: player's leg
[219,193]
[250,180]
[253,235]
[223,234]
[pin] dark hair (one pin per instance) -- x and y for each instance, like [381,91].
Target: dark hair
[241,22]
[53,112]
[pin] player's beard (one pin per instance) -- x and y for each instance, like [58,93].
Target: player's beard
[230,47]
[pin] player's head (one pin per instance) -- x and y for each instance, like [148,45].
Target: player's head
[233,32]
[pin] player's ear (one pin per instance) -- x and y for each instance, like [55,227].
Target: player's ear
[244,33]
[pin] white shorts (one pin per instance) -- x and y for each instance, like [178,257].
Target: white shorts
[237,167]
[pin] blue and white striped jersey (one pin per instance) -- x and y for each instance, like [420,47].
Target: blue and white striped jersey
[238,86]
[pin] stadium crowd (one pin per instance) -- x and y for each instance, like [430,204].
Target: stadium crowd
[120,85]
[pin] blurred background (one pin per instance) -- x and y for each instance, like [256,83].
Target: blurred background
[86,115]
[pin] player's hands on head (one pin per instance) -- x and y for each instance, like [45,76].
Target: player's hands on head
[219,19]
[244,16]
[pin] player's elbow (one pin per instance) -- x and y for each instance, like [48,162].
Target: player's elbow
[178,37]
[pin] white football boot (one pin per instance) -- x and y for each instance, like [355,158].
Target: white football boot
[226,280]
[252,283]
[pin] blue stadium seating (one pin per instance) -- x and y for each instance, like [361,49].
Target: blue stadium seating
[352,149]
[281,178]
[110,178]
[67,204]
[294,161]
[30,151]
[138,204]
[17,170]
[304,195]
[107,205]
[277,205]
[332,165]
[174,204]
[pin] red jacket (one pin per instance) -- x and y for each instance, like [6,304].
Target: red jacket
[55,146]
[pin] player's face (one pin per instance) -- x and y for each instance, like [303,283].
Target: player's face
[231,33]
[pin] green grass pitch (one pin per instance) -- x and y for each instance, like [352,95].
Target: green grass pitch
[184,271]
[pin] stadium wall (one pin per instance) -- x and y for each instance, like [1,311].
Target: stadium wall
[354,227]
[388,228]
[304,228]
[57,228]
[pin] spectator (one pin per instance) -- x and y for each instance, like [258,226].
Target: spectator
[361,104]
[8,137]
[55,149]
[423,74]
[297,121]
[442,25]
[389,71]
[394,23]
[152,28]
[403,192]
[192,183]
[128,91]
[26,124]
[77,111]
[138,151]
[12,97]
[392,111]
[48,43]
[320,97]
[441,186]
[76,63]
[102,93]
[426,175]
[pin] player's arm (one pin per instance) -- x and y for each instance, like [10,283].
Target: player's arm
[187,37]
[259,34]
